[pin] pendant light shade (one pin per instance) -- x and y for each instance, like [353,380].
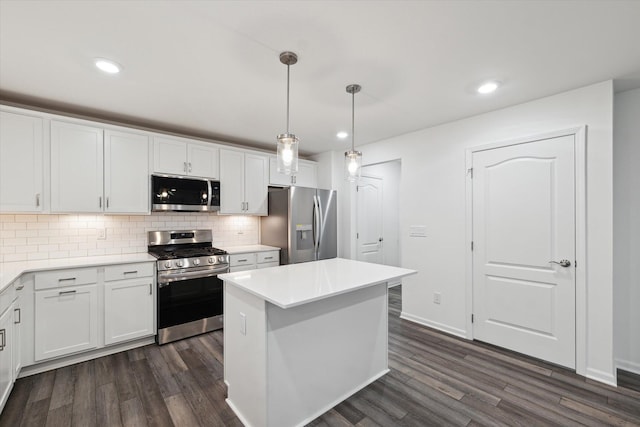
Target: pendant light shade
[287,142]
[353,158]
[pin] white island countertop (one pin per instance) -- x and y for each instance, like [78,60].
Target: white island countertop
[292,285]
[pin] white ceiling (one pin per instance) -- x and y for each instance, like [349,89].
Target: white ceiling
[211,68]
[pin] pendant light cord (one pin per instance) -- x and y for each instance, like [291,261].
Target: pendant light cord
[353,120]
[288,98]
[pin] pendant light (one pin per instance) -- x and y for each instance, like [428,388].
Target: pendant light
[288,142]
[353,158]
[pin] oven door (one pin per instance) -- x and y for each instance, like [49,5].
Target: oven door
[189,304]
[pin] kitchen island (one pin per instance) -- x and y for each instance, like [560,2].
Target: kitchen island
[301,338]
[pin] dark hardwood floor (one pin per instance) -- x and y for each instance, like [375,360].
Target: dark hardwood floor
[435,379]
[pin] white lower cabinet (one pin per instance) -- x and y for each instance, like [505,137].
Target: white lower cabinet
[128,310]
[253,260]
[66,321]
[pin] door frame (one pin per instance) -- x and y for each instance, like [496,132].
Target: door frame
[579,133]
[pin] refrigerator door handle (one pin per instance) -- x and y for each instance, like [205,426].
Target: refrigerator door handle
[316,225]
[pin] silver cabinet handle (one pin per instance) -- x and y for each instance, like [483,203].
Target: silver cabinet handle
[562,263]
[107,202]
[243,260]
[3,342]
[100,202]
[150,289]
[17,312]
[247,206]
[68,279]
[66,292]
[268,257]
[131,272]
[19,288]
[189,166]
[184,166]
[38,200]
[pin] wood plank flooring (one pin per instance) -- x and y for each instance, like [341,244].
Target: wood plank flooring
[435,379]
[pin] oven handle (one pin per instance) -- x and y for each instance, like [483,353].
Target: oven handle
[165,279]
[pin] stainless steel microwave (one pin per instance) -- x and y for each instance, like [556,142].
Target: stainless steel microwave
[175,193]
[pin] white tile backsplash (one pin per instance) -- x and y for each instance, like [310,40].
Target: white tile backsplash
[29,237]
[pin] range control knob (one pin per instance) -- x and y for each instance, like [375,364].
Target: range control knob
[196,261]
[180,263]
[211,260]
[167,264]
[221,259]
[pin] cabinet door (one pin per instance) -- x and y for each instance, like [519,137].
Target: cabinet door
[17,337]
[231,182]
[203,161]
[76,168]
[66,321]
[256,183]
[128,310]
[21,147]
[276,178]
[6,344]
[307,175]
[169,156]
[126,175]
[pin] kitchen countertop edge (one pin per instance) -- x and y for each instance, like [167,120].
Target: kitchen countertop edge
[10,271]
[244,249]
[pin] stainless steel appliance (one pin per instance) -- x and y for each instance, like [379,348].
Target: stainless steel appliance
[302,222]
[174,193]
[189,290]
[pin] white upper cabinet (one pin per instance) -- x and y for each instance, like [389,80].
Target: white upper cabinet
[307,175]
[98,171]
[244,181]
[126,172]
[180,157]
[21,153]
[76,168]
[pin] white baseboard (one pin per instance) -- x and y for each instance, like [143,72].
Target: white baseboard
[601,376]
[435,325]
[629,366]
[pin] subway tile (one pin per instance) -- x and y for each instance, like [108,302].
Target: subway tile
[37,255]
[14,257]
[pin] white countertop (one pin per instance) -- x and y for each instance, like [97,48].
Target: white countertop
[9,271]
[295,284]
[248,248]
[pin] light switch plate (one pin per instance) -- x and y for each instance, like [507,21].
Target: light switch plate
[243,323]
[101,233]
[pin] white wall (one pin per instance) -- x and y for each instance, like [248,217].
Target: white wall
[432,193]
[389,172]
[29,237]
[626,229]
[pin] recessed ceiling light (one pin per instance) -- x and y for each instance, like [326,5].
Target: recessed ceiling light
[108,66]
[488,87]
[342,135]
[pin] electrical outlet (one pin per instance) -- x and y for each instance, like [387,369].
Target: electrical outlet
[436,297]
[101,233]
[243,323]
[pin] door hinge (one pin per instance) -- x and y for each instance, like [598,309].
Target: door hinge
[357,235]
[575,264]
[472,245]
[470,172]
[472,318]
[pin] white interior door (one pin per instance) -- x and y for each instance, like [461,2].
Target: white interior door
[369,211]
[524,218]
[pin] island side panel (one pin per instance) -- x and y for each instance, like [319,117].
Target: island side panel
[322,352]
[245,357]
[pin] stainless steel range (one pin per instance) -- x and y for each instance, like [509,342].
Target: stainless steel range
[189,291]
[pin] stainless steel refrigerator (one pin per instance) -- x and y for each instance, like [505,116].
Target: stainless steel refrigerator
[303,223]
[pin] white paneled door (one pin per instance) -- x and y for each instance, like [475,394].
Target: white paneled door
[524,248]
[369,217]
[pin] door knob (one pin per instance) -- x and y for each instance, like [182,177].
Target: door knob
[380,239]
[562,263]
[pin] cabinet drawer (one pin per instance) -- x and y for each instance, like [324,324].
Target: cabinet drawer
[271,256]
[57,278]
[128,271]
[242,268]
[269,264]
[242,259]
